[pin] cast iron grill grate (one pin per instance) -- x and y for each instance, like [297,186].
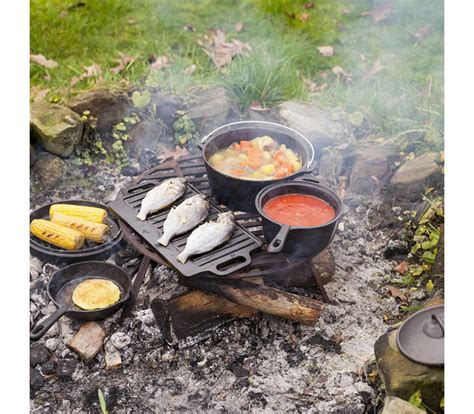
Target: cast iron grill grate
[193,169]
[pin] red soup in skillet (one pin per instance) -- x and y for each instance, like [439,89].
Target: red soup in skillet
[299,210]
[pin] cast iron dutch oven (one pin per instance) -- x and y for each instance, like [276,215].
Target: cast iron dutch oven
[292,240]
[239,193]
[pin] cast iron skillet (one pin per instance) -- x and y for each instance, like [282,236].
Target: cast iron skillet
[239,193]
[62,285]
[293,240]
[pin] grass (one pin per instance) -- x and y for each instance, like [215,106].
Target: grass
[403,100]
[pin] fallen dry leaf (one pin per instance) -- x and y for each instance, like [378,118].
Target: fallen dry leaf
[340,73]
[313,87]
[43,61]
[369,72]
[91,71]
[219,50]
[190,70]
[397,293]
[239,26]
[380,13]
[401,268]
[309,5]
[122,61]
[167,153]
[326,50]
[38,94]
[304,17]
[161,62]
[257,106]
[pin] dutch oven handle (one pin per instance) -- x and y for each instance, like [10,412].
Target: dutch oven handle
[39,330]
[278,242]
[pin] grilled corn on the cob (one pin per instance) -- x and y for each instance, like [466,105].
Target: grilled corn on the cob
[56,234]
[89,229]
[94,214]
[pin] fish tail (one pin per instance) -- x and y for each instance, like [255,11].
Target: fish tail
[141,215]
[183,257]
[164,240]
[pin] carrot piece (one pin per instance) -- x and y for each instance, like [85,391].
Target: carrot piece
[287,166]
[281,174]
[244,164]
[236,147]
[245,145]
[237,171]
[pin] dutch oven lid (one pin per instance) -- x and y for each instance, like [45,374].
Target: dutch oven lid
[421,337]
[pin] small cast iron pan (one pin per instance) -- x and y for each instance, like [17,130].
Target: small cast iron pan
[293,240]
[63,283]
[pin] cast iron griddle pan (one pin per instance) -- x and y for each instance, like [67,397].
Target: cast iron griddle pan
[223,260]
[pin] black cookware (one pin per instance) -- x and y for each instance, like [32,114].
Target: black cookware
[239,193]
[63,283]
[91,250]
[292,240]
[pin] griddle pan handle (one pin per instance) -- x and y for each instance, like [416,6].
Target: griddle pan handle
[39,330]
[278,242]
[234,267]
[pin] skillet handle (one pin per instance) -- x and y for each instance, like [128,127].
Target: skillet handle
[39,330]
[278,242]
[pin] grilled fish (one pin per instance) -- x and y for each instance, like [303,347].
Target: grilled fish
[162,196]
[208,236]
[185,217]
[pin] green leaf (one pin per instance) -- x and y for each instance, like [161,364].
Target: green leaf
[429,256]
[415,399]
[429,286]
[103,404]
[120,127]
[441,403]
[140,100]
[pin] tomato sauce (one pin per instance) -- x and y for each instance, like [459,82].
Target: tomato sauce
[299,210]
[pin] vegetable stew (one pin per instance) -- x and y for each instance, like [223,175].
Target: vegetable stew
[261,158]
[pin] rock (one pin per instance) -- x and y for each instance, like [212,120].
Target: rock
[413,177]
[402,377]
[372,166]
[38,354]
[315,122]
[36,379]
[146,134]
[49,368]
[394,405]
[108,107]
[66,368]
[52,344]
[33,155]
[113,359]
[120,340]
[57,128]
[166,107]
[88,341]
[396,248]
[211,109]
[129,171]
[48,171]
[335,162]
